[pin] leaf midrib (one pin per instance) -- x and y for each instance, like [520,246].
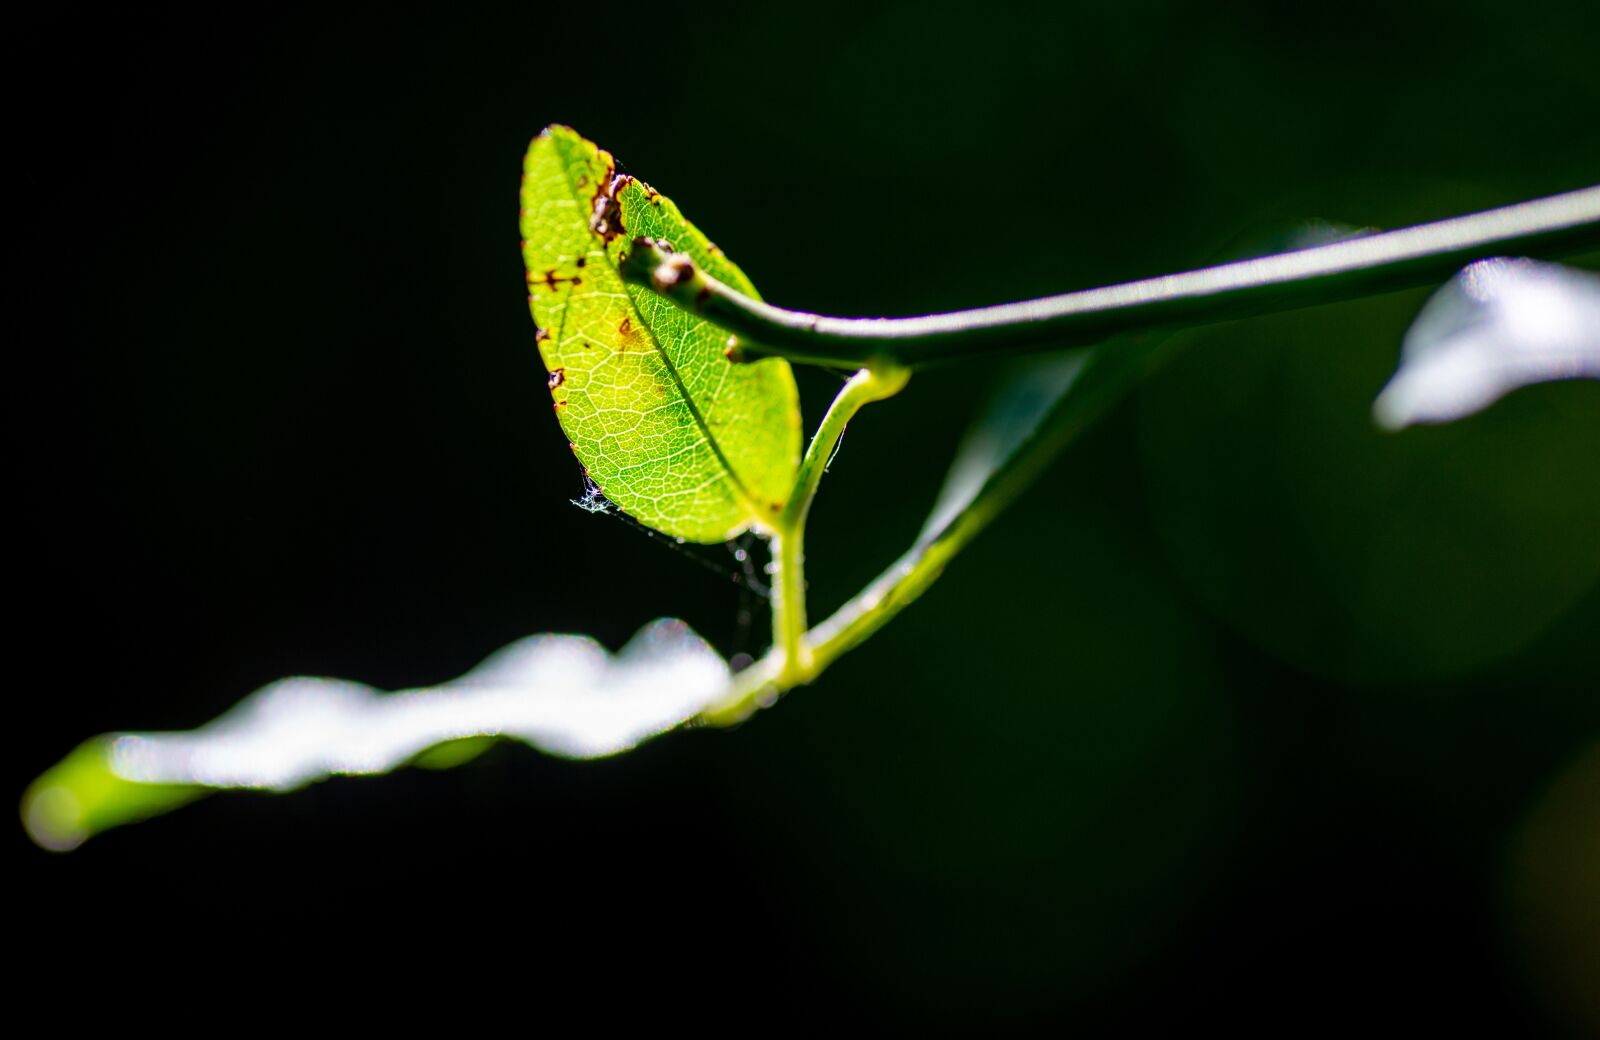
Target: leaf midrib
[746,501]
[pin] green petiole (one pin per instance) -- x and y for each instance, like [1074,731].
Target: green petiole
[873,383]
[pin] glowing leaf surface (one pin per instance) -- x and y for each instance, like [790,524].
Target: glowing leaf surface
[668,428]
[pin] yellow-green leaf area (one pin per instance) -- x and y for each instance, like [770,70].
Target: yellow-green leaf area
[669,429]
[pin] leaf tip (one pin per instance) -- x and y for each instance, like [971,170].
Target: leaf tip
[53,817]
[1390,412]
[83,795]
[1499,325]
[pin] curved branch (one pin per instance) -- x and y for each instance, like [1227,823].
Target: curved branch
[1382,262]
[874,383]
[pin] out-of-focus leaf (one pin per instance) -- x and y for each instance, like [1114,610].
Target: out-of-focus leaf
[1011,418]
[1035,411]
[563,694]
[82,795]
[1044,402]
[1498,325]
[665,425]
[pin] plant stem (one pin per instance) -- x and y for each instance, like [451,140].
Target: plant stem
[1321,274]
[789,607]
[1110,372]
[876,382]
[1374,263]
[873,383]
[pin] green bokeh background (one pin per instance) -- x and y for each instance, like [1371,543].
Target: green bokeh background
[1248,714]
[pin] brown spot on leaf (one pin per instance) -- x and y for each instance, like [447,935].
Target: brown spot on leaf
[540,334]
[631,336]
[550,279]
[557,377]
[605,216]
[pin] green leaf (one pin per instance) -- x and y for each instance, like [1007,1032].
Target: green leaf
[665,425]
[1042,404]
[1035,411]
[1012,417]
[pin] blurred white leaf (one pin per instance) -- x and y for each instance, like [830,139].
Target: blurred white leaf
[563,694]
[1498,325]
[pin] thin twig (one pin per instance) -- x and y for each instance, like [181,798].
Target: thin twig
[1428,253]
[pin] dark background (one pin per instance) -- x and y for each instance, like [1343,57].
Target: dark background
[1247,715]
